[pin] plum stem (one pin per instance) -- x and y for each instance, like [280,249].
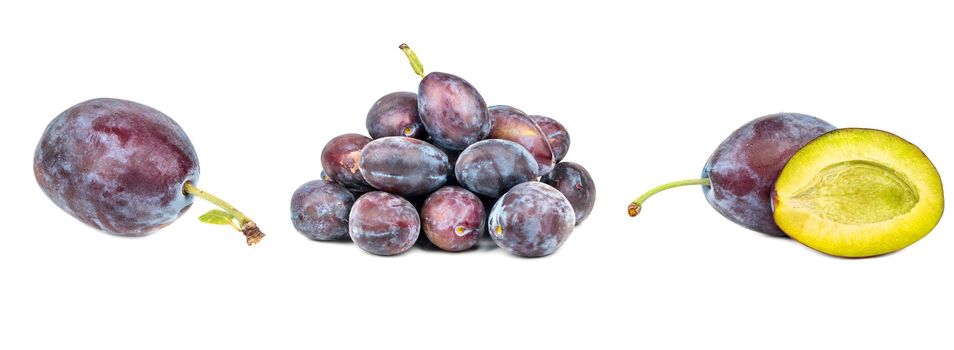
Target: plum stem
[415,62]
[248,227]
[637,205]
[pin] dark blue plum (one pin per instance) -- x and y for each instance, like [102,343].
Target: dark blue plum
[491,167]
[533,219]
[340,159]
[403,165]
[320,209]
[453,218]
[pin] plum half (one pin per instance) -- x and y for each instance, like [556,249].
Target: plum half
[126,169]
[738,178]
[858,193]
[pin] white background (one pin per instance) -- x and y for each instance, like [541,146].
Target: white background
[646,90]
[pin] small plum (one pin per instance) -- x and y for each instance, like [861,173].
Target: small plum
[557,135]
[508,123]
[576,184]
[320,209]
[395,114]
[340,159]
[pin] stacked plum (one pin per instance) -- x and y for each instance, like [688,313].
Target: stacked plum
[432,162]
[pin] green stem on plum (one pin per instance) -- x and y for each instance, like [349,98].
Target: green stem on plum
[415,62]
[248,227]
[637,205]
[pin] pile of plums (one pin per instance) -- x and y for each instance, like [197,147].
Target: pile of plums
[432,162]
[848,192]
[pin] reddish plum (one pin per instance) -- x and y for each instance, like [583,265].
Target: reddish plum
[453,218]
[508,123]
[395,114]
[383,224]
[124,168]
[557,135]
[340,159]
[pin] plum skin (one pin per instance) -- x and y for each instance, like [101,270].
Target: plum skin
[453,218]
[340,158]
[577,186]
[404,165]
[508,123]
[743,169]
[452,111]
[491,167]
[533,219]
[395,114]
[557,135]
[320,210]
[383,224]
[116,165]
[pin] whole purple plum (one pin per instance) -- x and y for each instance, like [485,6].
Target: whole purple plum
[404,165]
[383,224]
[739,176]
[453,112]
[453,218]
[340,159]
[491,167]
[533,219]
[557,135]
[577,186]
[124,168]
[395,114]
[320,209]
[508,123]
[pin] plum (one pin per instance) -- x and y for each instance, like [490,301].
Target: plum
[453,218]
[395,114]
[320,209]
[383,224]
[404,165]
[577,186]
[739,176]
[491,167]
[508,123]
[452,111]
[557,135]
[533,219]
[340,159]
[126,169]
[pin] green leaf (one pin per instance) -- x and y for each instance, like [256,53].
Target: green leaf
[218,217]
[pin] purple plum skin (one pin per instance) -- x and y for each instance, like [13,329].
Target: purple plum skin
[533,219]
[508,123]
[403,165]
[452,111]
[395,114]
[116,165]
[320,209]
[453,218]
[577,186]
[491,167]
[557,135]
[743,169]
[383,224]
[340,159]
